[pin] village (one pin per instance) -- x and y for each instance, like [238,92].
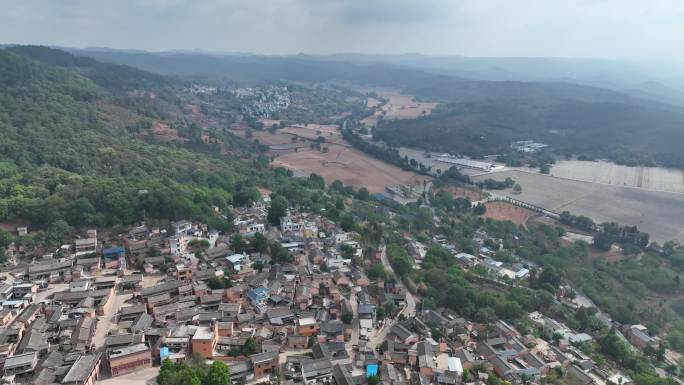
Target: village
[282,304]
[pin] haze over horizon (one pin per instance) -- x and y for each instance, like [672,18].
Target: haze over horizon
[610,29]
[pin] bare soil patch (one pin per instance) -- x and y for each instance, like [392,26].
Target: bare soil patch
[164,132]
[350,166]
[502,211]
[398,106]
[341,161]
[462,192]
[612,255]
[402,106]
[372,102]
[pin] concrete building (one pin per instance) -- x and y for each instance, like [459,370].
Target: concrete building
[21,364]
[85,371]
[129,359]
[204,341]
[263,364]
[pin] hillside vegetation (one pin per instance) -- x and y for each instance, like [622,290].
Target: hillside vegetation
[65,156]
[477,117]
[625,133]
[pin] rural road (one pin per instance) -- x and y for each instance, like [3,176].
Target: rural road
[408,311]
[107,321]
[354,340]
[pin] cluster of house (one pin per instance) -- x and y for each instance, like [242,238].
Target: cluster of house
[483,348]
[528,146]
[91,311]
[264,101]
[486,257]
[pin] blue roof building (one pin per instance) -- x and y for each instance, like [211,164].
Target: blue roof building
[372,370]
[258,295]
[114,252]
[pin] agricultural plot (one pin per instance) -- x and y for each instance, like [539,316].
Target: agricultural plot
[350,166]
[658,213]
[402,106]
[339,160]
[461,192]
[650,178]
[502,211]
[398,106]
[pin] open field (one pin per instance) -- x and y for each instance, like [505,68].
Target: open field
[402,106]
[502,211]
[372,102]
[313,131]
[658,213]
[341,161]
[349,165]
[651,178]
[398,106]
[461,192]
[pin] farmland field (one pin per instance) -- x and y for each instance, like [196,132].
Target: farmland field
[341,161]
[650,178]
[398,106]
[462,192]
[502,211]
[658,213]
[349,165]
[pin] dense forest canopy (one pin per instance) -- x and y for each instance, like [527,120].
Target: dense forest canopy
[625,133]
[63,157]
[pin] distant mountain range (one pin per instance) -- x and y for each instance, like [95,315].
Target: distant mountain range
[640,125]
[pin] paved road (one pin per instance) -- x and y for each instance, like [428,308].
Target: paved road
[354,340]
[408,311]
[107,321]
[52,289]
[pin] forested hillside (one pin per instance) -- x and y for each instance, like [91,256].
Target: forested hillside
[64,153]
[625,133]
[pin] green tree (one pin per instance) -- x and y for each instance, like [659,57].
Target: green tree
[277,210]
[250,346]
[377,271]
[480,209]
[259,243]
[218,374]
[337,186]
[390,308]
[58,232]
[316,181]
[238,243]
[258,266]
[5,239]
[517,188]
[363,194]
[347,317]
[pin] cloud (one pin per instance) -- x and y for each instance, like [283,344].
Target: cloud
[377,12]
[571,28]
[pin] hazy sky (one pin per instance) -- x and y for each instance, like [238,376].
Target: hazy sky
[635,29]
